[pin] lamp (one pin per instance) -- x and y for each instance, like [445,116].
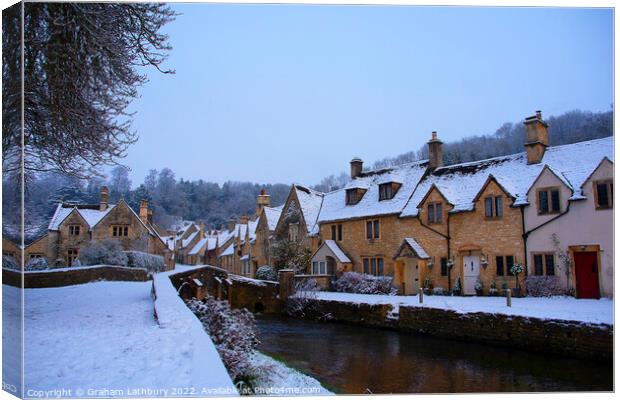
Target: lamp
[430,263]
[484,261]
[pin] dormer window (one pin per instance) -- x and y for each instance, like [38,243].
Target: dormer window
[74,230]
[603,194]
[354,195]
[435,213]
[388,190]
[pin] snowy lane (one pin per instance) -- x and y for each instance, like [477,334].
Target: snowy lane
[102,336]
[563,308]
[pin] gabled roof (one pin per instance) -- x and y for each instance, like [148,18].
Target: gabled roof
[460,183]
[336,251]
[272,214]
[335,207]
[555,173]
[228,251]
[605,159]
[490,179]
[310,202]
[89,212]
[415,247]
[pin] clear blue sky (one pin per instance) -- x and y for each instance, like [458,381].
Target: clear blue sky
[290,93]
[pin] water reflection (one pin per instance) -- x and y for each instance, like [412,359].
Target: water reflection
[355,360]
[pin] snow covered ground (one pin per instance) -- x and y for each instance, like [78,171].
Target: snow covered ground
[280,380]
[101,340]
[565,308]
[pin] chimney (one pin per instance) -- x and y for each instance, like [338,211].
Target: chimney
[231,224]
[435,152]
[356,167]
[104,198]
[263,200]
[149,215]
[536,138]
[244,219]
[144,211]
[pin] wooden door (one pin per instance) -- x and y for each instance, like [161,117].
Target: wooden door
[471,272]
[586,275]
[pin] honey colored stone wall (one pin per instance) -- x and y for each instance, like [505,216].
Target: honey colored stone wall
[493,237]
[74,276]
[37,247]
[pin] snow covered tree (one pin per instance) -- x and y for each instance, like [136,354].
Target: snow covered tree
[267,273]
[108,252]
[119,183]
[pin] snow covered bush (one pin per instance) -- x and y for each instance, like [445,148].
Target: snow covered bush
[108,252]
[37,264]
[544,286]
[267,273]
[354,282]
[304,298]
[456,289]
[140,259]
[234,334]
[439,291]
[9,263]
[76,263]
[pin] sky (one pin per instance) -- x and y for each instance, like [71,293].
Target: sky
[291,93]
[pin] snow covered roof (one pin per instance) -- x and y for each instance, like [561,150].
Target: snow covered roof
[245,257]
[337,251]
[211,243]
[461,183]
[334,203]
[187,241]
[228,251]
[198,246]
[415,247]
[273,215]
[91,214]
[310,202]
[252,228]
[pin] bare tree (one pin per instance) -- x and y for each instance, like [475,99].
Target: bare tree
[80,65]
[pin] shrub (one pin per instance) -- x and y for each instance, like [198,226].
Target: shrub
[267,273]
[37,264]
[108,252]
[9,263]
[544,286]
[140,259]
[304,299]
[234,334]
[456,289]
[353,282]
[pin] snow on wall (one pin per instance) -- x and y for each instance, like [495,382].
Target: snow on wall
[172,313]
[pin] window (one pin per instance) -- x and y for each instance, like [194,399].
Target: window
[372,229]
[74,230]
[387,190]
[549,201]
[8,254]
[319,268]
[246,267]
[435,213]
[35,255]
[373,266]
[444,266]
[493,207]
[504,264]
[72,254]
[120,230]
[293,231]
[604,194]
[499,261]
[544,264]
[337,232]
[354,196]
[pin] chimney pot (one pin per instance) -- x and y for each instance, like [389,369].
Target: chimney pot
[435,152]
[537,138]
[104,198]
[356,167]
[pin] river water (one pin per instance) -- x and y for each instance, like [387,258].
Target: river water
[350,359]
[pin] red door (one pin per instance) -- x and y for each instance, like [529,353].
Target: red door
[586,274]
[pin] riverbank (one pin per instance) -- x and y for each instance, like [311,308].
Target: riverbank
[468,319]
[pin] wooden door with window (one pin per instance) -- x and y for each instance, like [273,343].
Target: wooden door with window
[471,272]
[586,275]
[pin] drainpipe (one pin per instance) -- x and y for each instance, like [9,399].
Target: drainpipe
[527,233]
[447,237]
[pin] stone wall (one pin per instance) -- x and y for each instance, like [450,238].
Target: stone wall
[566,338]
[73,276]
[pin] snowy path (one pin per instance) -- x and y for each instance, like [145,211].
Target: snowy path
[102,336]
[565,308]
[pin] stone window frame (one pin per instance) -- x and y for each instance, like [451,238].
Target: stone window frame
[119,230]
[354,196]
[367,265]
[388,190]
[319,265]
[375,229]
[497,211]
[336,232]
[549,199]
[434,205]
[72,254]
[35,255]
[74,230]
[505,264]
[444,270]
[544,260]
[610,194]
[8,253]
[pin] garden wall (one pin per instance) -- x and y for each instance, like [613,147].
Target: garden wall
[73,276]
[567,338]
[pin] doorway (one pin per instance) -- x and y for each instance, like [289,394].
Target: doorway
[471,272]
[586,275]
